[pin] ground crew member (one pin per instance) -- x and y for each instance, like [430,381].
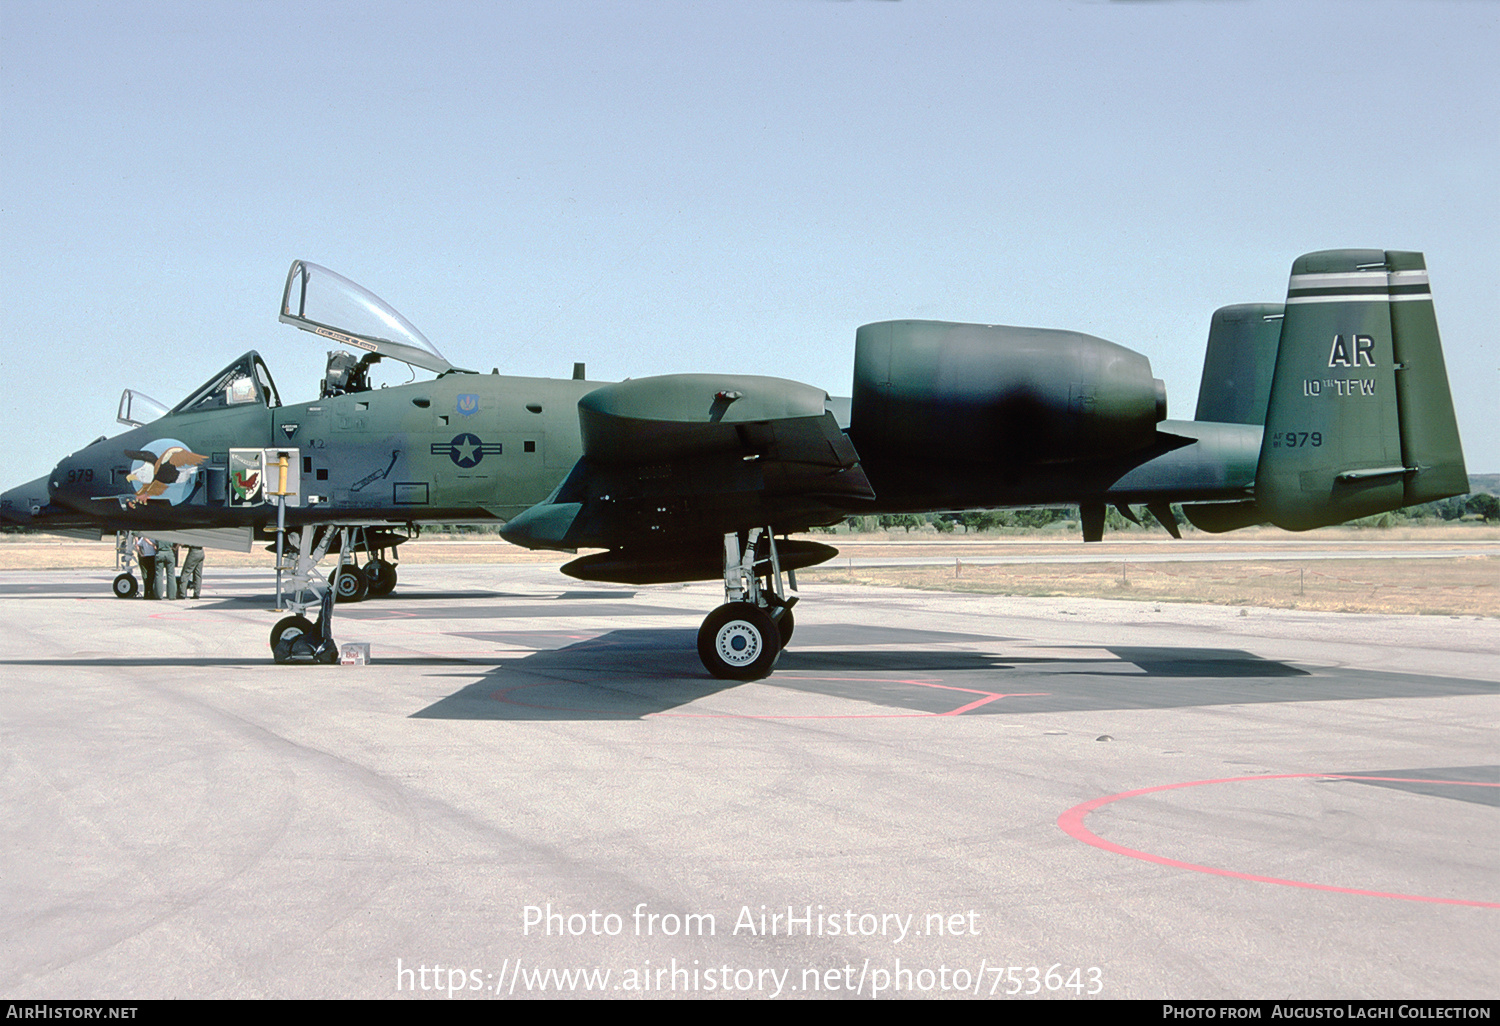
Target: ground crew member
[145,554]
[166,571]
[192,572]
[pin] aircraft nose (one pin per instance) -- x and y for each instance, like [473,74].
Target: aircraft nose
[77,479]
[21,504]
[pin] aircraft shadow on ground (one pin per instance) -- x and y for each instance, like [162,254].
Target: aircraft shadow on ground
[45,589]
[384,608]
[1430,782]
[363,610]
[633,673]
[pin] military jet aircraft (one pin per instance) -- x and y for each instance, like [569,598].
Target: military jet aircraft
[1331,406]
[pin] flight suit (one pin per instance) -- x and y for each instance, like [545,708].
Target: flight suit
[145,554]
[166,572]
[192,572]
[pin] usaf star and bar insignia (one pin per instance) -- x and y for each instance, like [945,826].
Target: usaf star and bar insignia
[466,450]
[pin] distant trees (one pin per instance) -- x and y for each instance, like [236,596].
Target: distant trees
[462,529]
[1475,506]
[1481,505]
[969,520]
[906,520]
[1484,505]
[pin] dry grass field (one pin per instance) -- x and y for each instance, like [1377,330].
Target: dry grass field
[1453,585]
[1330,577]
[1342,571]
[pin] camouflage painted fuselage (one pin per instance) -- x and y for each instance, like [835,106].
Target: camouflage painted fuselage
[463,447]
[1330,407]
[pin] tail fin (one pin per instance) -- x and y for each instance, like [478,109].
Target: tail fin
[1360,419]
[1239,364]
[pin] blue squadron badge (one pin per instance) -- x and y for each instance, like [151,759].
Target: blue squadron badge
[468,404]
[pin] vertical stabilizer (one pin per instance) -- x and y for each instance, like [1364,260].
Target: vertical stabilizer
[1239,364]
[1359,420]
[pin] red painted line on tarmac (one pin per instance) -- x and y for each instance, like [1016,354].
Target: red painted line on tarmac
[1071,823]
[986,698]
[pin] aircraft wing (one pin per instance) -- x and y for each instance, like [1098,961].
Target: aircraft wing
[671,464]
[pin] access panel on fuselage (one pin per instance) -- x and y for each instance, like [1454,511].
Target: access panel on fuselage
[465,445]
[356,451]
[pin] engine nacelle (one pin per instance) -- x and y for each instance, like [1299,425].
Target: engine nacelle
[932,390]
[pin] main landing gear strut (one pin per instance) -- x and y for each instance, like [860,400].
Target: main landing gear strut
[376,578]
[743,638]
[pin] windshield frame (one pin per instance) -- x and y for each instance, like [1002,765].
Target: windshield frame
[249,366]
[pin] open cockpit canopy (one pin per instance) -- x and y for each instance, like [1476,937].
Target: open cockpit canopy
[328,304]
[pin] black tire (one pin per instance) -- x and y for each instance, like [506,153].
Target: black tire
[380,576]
[352,584]
[785,624]
[293,625]
[739,641]
[126,586]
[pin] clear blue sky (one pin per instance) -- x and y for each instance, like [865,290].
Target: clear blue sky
[655,187]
